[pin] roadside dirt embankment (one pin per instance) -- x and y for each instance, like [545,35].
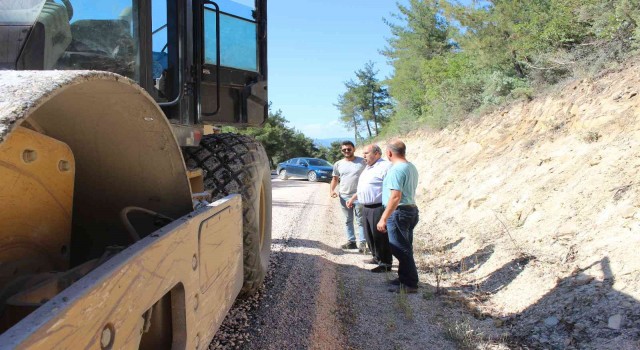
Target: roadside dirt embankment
[533,214]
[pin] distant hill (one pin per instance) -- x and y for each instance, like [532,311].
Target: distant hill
[327,142]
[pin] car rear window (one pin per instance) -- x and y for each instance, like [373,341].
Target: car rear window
[318,162]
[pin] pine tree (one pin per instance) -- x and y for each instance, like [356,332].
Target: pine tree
[366,104]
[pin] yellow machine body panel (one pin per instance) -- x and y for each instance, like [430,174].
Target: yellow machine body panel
[77,148]
[36,190]
[107,308]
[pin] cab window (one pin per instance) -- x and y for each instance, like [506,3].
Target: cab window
[238,31]
[88,34]
[164,55]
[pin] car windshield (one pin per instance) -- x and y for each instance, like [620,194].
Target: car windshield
[318,162]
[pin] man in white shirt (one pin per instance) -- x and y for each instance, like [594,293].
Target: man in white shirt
[369,194]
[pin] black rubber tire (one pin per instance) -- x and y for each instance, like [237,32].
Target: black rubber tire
[312,176]
[282,175]
[231,164]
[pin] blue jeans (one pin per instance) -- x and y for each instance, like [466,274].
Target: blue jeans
[349,213]
[400,227]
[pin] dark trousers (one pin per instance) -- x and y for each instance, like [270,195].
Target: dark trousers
[400,227]
[378,241]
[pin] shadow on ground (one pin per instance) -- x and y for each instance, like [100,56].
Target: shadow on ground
[580,312]
[307,243]
[451,245]
[289,204]
[472,261]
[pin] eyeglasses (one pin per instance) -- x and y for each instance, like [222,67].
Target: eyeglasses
[344,150]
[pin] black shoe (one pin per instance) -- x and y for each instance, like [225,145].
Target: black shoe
[403,289]
[381,268]
[349,245]
[394,282]
[363,249]
[371,261]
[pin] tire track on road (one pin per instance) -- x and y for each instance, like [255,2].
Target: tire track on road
[297,307]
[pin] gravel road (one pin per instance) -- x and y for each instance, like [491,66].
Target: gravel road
[318,296]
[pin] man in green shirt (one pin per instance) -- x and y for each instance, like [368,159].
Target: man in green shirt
[400,215]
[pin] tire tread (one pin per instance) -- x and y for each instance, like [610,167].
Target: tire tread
[233,163]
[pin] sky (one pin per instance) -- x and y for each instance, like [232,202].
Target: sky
[314,47]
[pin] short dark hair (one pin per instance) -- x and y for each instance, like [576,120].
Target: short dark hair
[348,143]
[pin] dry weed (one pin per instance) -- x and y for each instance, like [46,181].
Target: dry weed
[466,338]
[403,305]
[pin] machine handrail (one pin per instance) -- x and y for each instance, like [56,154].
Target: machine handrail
[202,57]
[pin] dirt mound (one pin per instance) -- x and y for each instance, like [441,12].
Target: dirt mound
[532,213]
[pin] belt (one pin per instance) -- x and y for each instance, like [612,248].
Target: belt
[376,205]
[406,206]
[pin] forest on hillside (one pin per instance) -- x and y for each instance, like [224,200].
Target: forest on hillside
[454,60]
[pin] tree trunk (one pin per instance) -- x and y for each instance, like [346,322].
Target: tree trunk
[368,128]
[355,130]
[516,66]
[373,112]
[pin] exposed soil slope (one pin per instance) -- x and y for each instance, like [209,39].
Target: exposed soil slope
[532,212]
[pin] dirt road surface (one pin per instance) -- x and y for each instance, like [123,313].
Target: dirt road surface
[318,296]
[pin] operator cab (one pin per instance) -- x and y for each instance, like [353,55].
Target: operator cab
[204,62]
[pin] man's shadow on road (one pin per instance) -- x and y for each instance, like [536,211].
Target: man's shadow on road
[307,243]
